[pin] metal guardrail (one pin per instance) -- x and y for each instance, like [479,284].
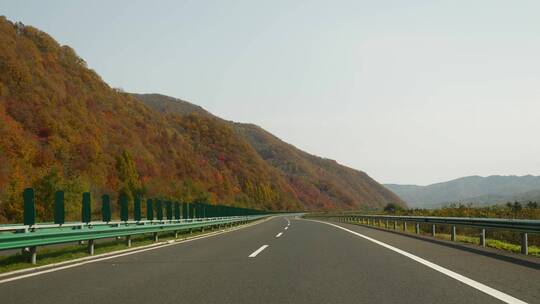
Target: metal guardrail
[29,237]
[177,217]
[524,227]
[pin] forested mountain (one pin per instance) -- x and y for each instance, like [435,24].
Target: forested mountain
[318,182]
[62,127]
[472,189]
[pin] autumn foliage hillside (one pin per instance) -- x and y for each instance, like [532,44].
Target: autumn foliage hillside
[62,127]
[318,183]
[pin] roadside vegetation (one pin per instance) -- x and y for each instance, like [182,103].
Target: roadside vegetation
[510,210]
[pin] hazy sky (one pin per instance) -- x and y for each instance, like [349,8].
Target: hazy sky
[409,91]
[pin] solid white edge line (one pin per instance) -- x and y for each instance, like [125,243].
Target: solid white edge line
[279,234]
[463,279]
[256,252]
[143,249]
[288,222]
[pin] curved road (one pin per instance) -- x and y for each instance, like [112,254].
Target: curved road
[302,262]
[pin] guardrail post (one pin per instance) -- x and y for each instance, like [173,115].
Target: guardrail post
[524,244]
[91,247]
[386,225]
[483,237]
[32,255]
[156,237]
[395,225]
[128,240]
[417,228]
[405,226]
[176,234]
[453,237]
[433,230]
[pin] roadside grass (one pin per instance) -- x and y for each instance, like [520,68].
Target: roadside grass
[497,244]
[47,256]
[533,250]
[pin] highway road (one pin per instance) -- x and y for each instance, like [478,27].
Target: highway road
[290,260]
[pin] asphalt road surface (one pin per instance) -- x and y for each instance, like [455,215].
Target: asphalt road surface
[301,262]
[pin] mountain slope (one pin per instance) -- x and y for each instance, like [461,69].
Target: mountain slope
[473,189]
[61,126]
[318,182]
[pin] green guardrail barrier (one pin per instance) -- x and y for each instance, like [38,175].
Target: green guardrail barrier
[390,221]
[179,216]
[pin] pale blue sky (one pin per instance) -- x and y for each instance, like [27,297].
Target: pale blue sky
[408,91]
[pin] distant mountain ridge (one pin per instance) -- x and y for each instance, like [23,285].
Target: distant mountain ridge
[471,189]
[318,182]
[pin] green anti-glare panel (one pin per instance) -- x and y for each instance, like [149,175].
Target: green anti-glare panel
[123,207]
[176,210]
[86,218]
[185,211]
[159,210]
[137,208]
[149,210]
[168,205]
[59,207]
[29,206]
[106,208]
